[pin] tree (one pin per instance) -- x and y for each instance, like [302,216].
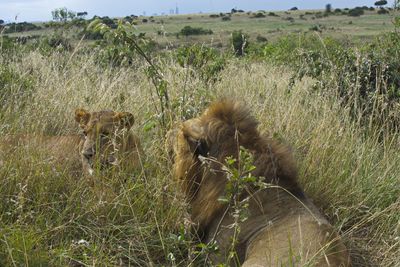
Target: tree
[81,14]
[239,42]
[1,21]
[63,14]
[381,3]
[328,8]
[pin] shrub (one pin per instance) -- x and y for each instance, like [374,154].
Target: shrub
[206,63]
[56,42]
[258,15]
[21,27]
[364,78]
[214,16]
[272,14]
[382,11]
[189,30]
[356,12]
[315,28]
[261,39]
[226,18]
[239,42]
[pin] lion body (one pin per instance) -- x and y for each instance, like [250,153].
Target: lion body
[284,227]
[60,150]
[108,138]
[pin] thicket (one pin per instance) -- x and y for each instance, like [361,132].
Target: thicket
[21,27]
[204,62]
[239,42]
[189,30]
[365,77]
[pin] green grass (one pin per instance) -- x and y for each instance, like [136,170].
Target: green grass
[361,28]
[52,217]
[337,26]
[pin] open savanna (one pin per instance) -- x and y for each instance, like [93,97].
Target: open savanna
[164,29]
[270,27]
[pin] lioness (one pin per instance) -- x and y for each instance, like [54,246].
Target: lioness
[107,139]
[284,227]
[61,150]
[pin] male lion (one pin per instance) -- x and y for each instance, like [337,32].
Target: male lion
[108,139]
[284,227]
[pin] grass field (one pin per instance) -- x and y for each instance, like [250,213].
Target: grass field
[51,216]
[270,27]
[352,29]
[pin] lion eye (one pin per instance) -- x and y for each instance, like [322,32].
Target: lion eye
[103,135]
[84,133]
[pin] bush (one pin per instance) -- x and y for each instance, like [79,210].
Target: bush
[189,30]
[261,39]
[56,41]
[272,14]
[239,42]
[226,18]
[205,62]
[364,78]
[315,28]
[382,11]
[258,15]
[21,27]
[356,12]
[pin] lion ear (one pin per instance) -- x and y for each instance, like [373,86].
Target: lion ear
[193,132]
[125,118]
[82,116]
[198,146]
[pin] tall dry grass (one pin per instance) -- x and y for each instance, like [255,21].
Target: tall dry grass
[52,217]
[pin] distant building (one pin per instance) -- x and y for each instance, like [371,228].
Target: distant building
[171,11]
[176,10]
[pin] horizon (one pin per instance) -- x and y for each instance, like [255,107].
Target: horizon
[40,10]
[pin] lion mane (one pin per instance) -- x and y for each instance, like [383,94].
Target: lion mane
[284,227]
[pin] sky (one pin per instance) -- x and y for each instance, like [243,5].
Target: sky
[40,10]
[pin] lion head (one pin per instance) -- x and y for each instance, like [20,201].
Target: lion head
[282,219]
[107,138]
[217,134]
